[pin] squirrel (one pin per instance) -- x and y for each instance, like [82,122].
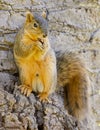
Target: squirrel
[34,57]
[39,72]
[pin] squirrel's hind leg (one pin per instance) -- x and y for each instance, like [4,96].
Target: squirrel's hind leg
[43,97]
[25,78]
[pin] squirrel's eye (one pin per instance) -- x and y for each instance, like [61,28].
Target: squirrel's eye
[35,25]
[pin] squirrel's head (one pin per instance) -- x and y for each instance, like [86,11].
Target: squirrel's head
[36,29]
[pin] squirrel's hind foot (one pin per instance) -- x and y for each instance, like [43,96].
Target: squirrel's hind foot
[43,97]
[25,89]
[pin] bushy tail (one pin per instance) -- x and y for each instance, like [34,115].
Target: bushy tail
[72,74]
[76,95]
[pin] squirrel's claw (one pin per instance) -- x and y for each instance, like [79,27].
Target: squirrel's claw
[43,97]
[28,93]
[26,90]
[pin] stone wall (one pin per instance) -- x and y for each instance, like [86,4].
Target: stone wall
[73,25]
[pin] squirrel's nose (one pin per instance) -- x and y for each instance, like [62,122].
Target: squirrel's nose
[44,35]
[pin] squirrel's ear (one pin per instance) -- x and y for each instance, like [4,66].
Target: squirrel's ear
[44,14]
[29,17]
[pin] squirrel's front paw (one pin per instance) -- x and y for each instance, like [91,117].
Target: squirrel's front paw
[25,89]
[43,97]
